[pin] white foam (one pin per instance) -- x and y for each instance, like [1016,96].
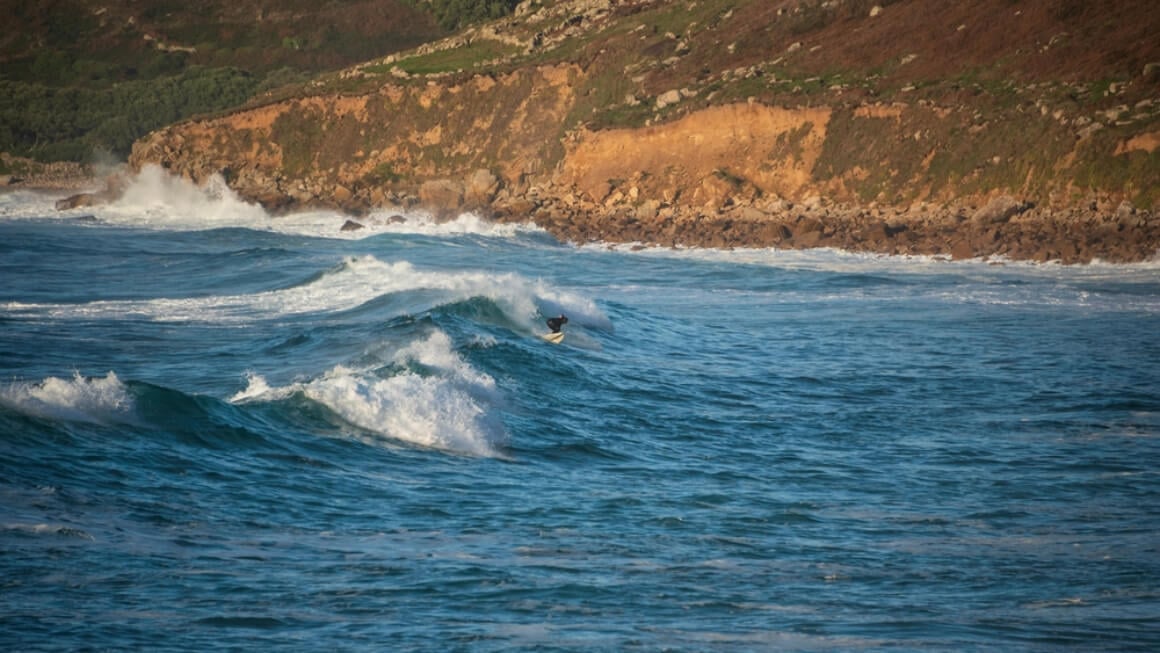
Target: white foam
[79,399]
[839,260]
[154,198]
[420,222]
[444,404]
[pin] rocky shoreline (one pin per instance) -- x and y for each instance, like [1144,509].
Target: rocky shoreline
[1003,227]
[19,172]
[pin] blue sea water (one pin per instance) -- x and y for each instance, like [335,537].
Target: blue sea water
[224,430]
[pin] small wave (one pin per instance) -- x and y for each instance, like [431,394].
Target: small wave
[47,529]
[430,397]
[355,281]
[425,224]
[79,399]
[250,622]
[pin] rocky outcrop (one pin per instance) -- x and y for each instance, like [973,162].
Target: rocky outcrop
[449,145]
[1099,231]
[686,137]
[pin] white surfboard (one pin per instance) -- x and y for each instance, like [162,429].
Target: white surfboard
[554,338]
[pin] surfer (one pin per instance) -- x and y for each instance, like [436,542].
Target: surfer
[554,323]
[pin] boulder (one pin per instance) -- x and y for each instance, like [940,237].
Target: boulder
[808,225]
[342,194]
[77,201]
[480,188]
[807,239]
[442,195]
[668,98]
[1000,210]
[1125,211]
[351,225]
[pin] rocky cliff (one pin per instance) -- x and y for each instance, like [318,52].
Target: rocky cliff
[1028,129]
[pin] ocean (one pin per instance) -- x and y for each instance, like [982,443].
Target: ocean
[222,430]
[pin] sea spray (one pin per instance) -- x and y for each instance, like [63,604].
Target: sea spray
[155,198]
[79,399]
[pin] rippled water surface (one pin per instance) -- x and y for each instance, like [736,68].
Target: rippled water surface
[224,430]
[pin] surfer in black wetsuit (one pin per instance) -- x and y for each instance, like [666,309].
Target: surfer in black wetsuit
[554,323]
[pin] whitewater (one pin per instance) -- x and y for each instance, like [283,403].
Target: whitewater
[221,429]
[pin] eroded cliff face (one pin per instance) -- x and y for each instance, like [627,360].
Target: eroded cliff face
[373,149]
[702,159]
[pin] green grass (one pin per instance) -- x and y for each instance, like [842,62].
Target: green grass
[453,60]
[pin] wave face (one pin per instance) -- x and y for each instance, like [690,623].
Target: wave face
[219,427]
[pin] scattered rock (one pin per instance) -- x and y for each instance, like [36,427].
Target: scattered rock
[668,98]
[1152,72]
[351,225]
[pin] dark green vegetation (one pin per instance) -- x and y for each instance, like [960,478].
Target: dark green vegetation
[454,14]
[70,123]
[85,76]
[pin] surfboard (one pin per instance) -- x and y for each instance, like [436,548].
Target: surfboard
[554,338]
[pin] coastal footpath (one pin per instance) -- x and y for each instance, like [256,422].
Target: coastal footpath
[724,124]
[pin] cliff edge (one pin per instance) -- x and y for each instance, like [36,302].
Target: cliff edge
[1025,129]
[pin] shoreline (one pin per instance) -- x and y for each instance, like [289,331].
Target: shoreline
[29,174]
[1004,227]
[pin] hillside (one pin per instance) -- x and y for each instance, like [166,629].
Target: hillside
[1021,127]
[125,39]
[85,76]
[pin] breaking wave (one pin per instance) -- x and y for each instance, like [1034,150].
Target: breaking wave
[425,395]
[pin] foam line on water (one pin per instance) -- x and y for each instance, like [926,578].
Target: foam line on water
[839,260]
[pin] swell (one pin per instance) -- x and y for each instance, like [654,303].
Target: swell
[128,407]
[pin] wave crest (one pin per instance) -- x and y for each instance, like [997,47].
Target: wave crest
[429,396]
[79,399]
[354,282]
